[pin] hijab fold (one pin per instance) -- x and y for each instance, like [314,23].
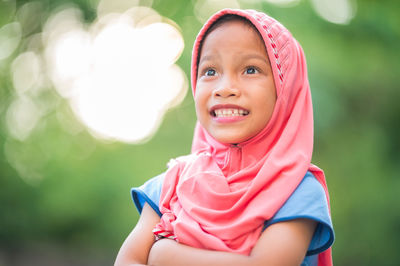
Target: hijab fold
[220,195]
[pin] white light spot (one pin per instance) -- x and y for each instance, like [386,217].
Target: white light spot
[21,118]
[26,72]
[119,77]
[10,36]
[338,11]
[27,160]
[115,6]
[70,56]
[144,16]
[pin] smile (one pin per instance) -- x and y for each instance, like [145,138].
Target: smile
[229,112]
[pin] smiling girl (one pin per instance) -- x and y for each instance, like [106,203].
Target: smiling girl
[248,193]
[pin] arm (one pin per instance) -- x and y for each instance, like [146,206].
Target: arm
[283,243]
[136,247]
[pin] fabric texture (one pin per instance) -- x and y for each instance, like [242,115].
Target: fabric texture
[219,196]
[307,201]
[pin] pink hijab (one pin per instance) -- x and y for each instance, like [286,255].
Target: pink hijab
[219,197]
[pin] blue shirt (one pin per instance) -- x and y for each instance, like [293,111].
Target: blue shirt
[307,201]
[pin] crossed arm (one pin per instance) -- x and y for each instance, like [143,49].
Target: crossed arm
[283,243]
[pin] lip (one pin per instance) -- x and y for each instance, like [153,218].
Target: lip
[227,119]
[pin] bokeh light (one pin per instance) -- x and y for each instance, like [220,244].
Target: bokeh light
[118,73]
[10,36]
[22,116]
[64,160]
[283,2]
[203,9]
[30,16]
[338,11]
[28,167]
[26,72]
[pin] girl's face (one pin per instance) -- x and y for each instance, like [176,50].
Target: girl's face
[235,93]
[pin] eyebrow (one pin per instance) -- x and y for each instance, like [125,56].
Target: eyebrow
[256,56]
[205,58]
[245,57]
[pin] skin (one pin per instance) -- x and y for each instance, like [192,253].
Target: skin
[283,243]
[232,70]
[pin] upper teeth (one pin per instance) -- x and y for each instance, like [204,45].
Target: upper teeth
[230,112]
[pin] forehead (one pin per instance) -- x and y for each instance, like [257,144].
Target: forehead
[230,18]
[233,34]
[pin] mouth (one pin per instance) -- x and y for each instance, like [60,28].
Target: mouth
[228,112]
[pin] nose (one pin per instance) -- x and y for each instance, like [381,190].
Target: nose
[227,87]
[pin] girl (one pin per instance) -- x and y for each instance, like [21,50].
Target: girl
[247,194]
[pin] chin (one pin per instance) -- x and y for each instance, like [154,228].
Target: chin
[228,140]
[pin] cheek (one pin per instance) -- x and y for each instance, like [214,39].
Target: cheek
[200,105]
[201,98]
[269,110]
[266,103]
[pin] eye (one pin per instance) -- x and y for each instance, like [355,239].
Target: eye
[251,70]
[210,72]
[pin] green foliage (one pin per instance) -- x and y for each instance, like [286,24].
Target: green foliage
[73,191]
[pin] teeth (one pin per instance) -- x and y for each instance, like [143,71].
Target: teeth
[230,112]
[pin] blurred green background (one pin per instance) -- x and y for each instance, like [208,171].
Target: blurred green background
[65,194]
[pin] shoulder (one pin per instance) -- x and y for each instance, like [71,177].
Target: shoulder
[148,193]
[309,201]
[309,198]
